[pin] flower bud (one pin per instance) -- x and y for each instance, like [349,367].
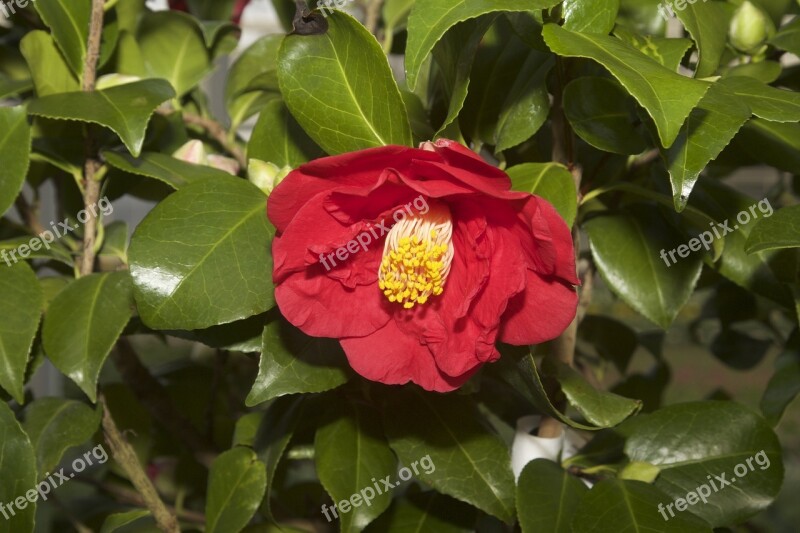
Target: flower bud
[226,164]
[192,152]
[750,28]
[266,175]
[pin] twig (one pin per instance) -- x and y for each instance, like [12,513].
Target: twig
[91,186]
[125,456]
[29,214]
[217,132]
[373,15]
[152,395]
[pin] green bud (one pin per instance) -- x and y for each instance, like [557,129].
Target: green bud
[266,175]
[750,28]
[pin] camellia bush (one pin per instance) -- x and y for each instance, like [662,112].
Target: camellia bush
[421,266]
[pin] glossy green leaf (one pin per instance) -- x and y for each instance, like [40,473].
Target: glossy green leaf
[55,425]
[119,520]
[548,497]
[351,451]
[627,249]
[395,13]
[425,512]
[603,114]
[472,464]
[292,362]
[706,132]
[784,385]
[764,71]
[615,505]
[667,96]
[774,143]
[125,109]
[202,256]
[276,430]
[430,20]
[165,168]
[9,87]
[551,181]
[590,16]
[279,139]
[781,230]
[692,441]
[68,21]
[84,322]
[50,73]
[17,473]
[173,49]
[21,308]
[15,150]
[776,105]
[258,61]
[236,484]
[707,23]
[788,37]
[527,105]
[601,408]
[668,52]
[323,77]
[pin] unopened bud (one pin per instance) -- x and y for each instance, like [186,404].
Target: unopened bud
[266,175]
[226,164]
[750,28]
[192,152]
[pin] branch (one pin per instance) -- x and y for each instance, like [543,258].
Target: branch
[91,186]
[124,455]
[29,214]
[155,399]
[217,132]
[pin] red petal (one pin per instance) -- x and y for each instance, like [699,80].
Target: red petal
[541,313]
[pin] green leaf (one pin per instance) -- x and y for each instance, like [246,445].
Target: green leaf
[323,80]
[692,441]
[279,139]
[667,96]
[55,425]
[17,473]
[68,21]
[50,73]
[236,484]
[15,150]
[395,13]
[351,452]
[627,248]
[293,362]
[426,512]
[774,143]
[21,309]
[430,20]
[9,87]
[202,256]
[257,62]
[784,385]
[173,49]
[613,340]
[769,103]
[276,430]
[615,505]
[527,105]
[668,52]
[707,131]
[547,497]
[788,37]
[125,109]
[165,168]
[551,181]
[590,16]
[471,463]
[707,23]
[83,323]
[118,520]
[603,114]
[601,408]
[781,230]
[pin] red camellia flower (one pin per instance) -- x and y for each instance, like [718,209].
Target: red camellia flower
[418,260]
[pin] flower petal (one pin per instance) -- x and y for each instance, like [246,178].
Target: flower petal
[540,313]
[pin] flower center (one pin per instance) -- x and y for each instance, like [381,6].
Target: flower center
[416,257]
